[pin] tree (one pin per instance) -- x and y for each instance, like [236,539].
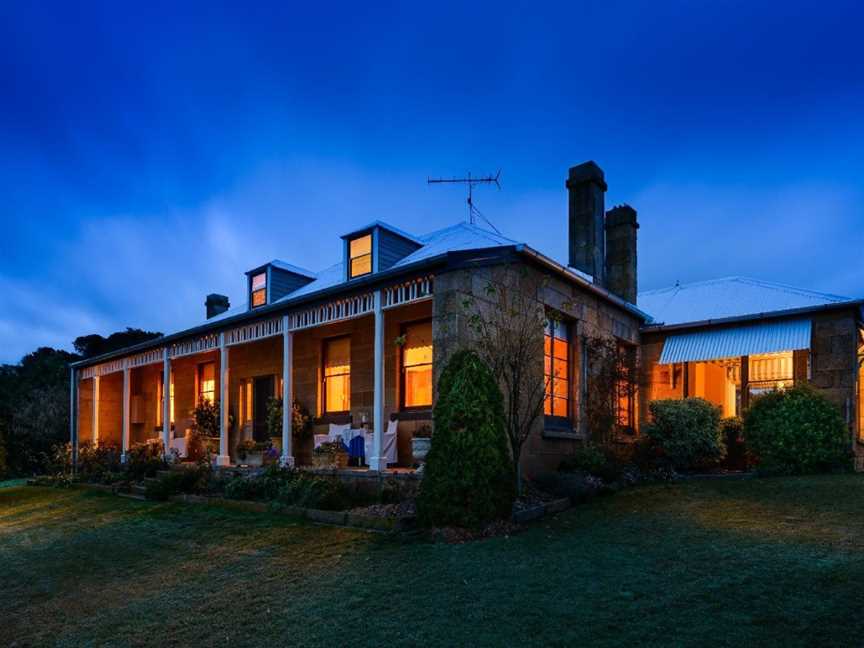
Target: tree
[508,322]
[93,345]
[468,479]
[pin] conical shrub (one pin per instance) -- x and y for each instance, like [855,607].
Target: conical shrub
[468,479]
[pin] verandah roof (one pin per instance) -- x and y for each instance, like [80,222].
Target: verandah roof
[750,339]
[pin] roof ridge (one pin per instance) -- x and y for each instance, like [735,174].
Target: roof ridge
[749,280]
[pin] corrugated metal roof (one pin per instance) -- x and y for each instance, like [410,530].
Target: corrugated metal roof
[728,297]
[734,342]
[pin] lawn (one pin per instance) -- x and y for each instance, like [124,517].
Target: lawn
[773,561]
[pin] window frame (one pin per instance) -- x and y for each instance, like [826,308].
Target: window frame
[324,343]
[630,428]
[199,380]
[553,421]
[403,329]
[370,254]
[255,291]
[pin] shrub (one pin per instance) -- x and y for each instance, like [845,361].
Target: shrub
[206,419]
[263,486]
[686,433]
[796,431]
[732,433]
[145,459]
[469,477]
[186,480]
[604,464]
[311,491]
[301,422]
[2,457]
[95,463]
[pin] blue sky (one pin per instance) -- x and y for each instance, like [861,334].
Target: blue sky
[151,155]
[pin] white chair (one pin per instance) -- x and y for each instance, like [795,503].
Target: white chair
[388,443]
[336,432]
[180,446]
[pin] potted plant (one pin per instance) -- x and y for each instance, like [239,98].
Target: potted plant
[420,443]
[206,424]
[330,455]
[251,453]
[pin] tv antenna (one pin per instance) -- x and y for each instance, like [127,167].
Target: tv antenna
[470,180]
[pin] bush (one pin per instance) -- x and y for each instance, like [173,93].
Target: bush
[186,480]
[2,457]
[264,486]
[310,491]
[797,431]
[97,463]
[732,432]
[469,476]
[145,459]
[686,433]
[603,463]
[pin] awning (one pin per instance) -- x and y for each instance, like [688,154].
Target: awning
[733,342]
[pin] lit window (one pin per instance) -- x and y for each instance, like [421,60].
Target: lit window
[259,289]
[160,390]
[625,387]
[207,382]
[770,371]
[557,370]
[337,375]
[360,256]
[417,365]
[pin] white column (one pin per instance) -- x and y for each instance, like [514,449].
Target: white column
[287,392]
[223,459]
[377,461]
[73,416]
[94,424]
[127,386]
[166,401]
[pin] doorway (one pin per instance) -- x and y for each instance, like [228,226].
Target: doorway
[262,391]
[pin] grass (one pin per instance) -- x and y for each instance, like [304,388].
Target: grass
[770,562]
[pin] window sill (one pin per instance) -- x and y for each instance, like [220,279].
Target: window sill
[412,415]
[562,433]
[344,418]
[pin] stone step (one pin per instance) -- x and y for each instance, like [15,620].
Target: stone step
[138,489]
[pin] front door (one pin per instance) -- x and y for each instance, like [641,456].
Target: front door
[262,392]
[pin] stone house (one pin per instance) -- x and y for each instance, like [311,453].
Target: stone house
[359,344]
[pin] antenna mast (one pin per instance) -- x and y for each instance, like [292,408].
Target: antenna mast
[473,212]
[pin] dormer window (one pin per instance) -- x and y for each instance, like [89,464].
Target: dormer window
[259,289]
[360,256]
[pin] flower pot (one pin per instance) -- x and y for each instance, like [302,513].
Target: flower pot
[420,448]
[253,459]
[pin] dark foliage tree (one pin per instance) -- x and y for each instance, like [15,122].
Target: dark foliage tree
[89,346]
[469,475]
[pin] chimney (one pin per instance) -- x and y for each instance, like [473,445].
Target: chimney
[216,304]
[586,187]
[621,229]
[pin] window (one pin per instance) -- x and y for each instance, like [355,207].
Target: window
[417,365]
[207,382]
[244,402]
[160,392]
[337,375]
[259,289]
[360,256]
[625,388]
[557,371]
[769,372]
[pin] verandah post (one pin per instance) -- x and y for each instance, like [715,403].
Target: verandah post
[378,461]
[94,424]
[166,401]
[126,395]
[73,416]
[223,459]
[287,392]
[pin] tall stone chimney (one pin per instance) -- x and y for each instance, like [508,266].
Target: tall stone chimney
[586,187]
[216,305]
[621,229]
